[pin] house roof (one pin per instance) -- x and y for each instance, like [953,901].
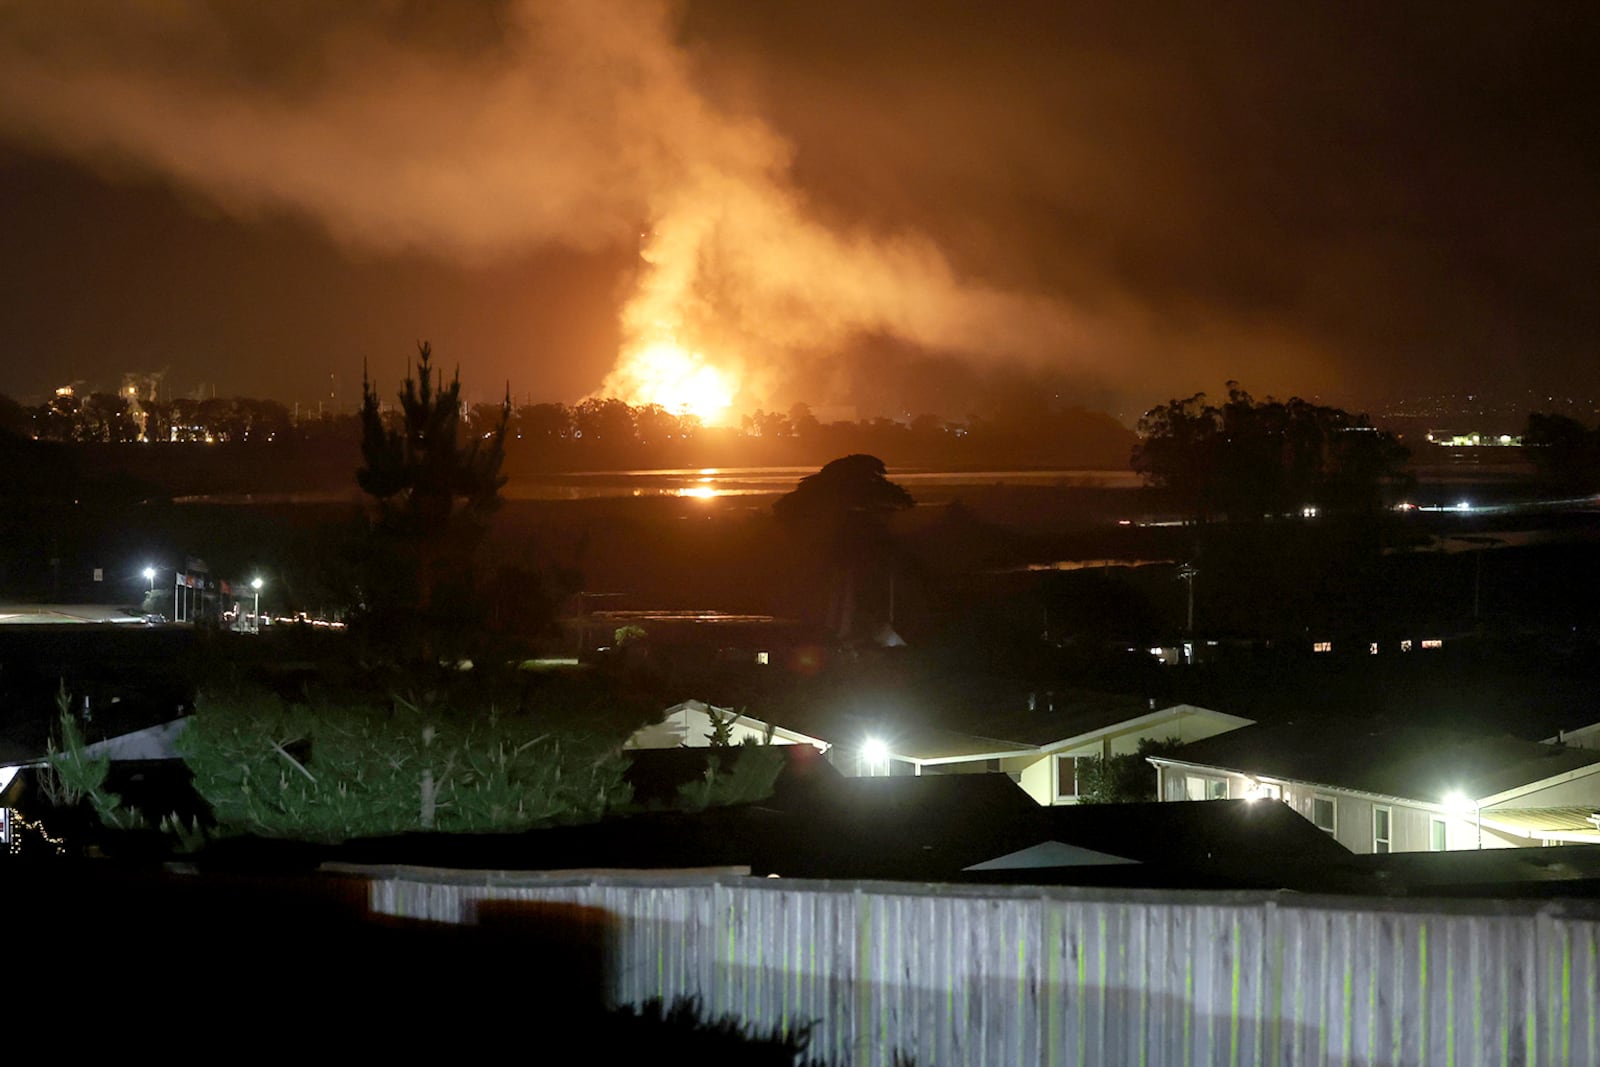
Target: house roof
[1558,871]
[926,742]
[1236,834]
[1049,854]
[662,728]
[1420,763]
[1058,716]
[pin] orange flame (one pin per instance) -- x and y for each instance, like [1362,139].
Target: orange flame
[681,381]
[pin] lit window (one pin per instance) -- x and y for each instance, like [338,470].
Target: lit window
[1405,646]
[1372,649]
[1432,642]
[1322,646]
[763,657]
[1438,840]
[1194,788]
[1324,813]
[1382,818]
[1217,790]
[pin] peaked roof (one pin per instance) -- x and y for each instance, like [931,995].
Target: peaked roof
[1056,716]
[1049,854]
[1415,762]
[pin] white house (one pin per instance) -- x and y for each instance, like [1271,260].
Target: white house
[689,725]
[1381,788]
[1040,750]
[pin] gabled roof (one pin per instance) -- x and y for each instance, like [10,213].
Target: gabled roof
[1049,854]
[1060,717]
[672,728]
[1419,763]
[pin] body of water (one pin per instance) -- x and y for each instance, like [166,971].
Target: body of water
[713,482]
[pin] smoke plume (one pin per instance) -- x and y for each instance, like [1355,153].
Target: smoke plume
[578,123]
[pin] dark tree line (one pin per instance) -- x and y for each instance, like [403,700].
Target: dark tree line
[1247,459]
[1564,451]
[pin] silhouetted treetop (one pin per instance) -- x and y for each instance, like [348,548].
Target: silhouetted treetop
[416,465]
[853,485]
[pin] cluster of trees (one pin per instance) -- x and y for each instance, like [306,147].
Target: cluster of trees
[1247,459]
[599,432]
[1564,451]
[115,418]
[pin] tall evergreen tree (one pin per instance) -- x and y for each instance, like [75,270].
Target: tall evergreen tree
[433,493]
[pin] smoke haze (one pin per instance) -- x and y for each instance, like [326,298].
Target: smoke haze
[572,123]
[889,205]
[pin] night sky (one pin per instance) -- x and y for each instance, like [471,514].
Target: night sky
[897,207]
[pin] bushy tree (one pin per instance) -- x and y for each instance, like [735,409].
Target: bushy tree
[844,510]
[1125,779]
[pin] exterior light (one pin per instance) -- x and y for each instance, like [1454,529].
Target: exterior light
[1463,505]
[150,574]
[255,615]
[874,752]
[1460,804]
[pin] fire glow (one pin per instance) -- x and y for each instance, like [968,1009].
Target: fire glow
[681,381]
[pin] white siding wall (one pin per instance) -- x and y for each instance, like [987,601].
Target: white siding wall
[1410,829]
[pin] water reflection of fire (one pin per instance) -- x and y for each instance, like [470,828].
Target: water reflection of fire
[681,381]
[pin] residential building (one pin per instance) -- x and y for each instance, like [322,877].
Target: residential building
[690,725]
[1377,787]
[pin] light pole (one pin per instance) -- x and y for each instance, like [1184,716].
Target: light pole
[255,615]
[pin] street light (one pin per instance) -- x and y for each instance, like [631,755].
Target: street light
[256,584]
[150,576]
